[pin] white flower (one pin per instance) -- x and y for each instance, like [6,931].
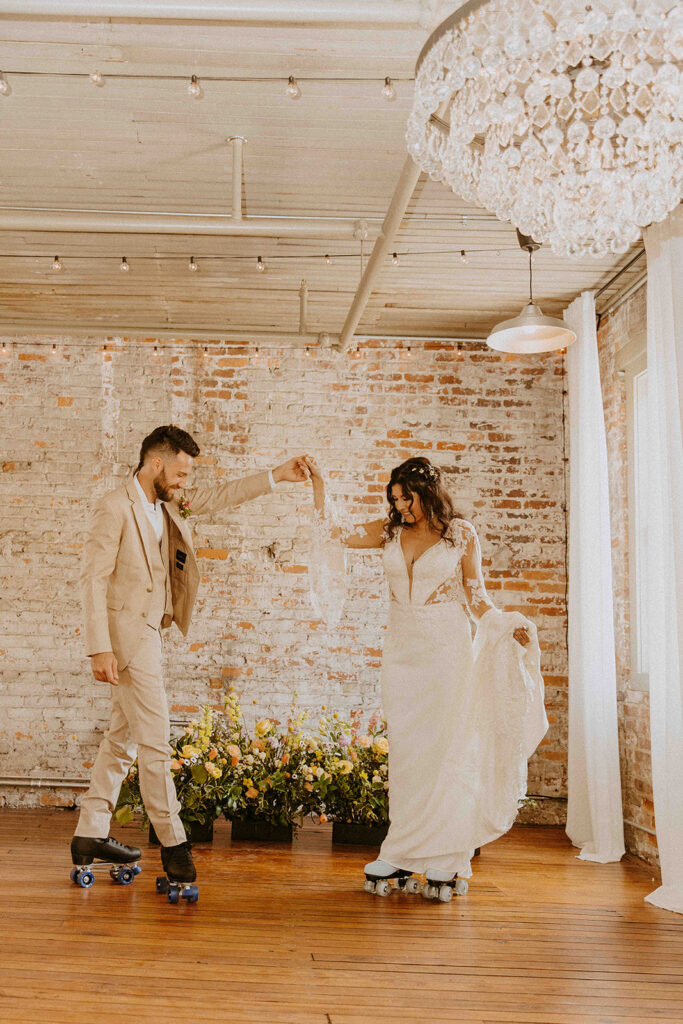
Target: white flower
[262,755]
[386,785]
[249,758]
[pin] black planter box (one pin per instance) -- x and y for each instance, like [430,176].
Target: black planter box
[360,835]
[261,830]
[196,833]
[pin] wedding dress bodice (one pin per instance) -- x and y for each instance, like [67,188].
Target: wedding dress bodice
[437,572]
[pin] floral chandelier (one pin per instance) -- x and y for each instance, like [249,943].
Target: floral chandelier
[564,117]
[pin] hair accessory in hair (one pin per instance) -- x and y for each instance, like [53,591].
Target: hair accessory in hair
[430,472]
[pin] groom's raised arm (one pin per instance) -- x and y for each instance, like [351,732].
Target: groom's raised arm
[214,497]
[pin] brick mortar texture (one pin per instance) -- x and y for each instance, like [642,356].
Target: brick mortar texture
[73,421]
[626,323]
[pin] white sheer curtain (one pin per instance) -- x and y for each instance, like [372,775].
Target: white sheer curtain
[594,812]
[664,246]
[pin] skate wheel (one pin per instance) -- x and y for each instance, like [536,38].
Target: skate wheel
[461,886]
[162,884]
[413,886]
[369,885]
[126,876]
[136,869]
[383,887]
[445,893]
[73,875]
[85,879]
[430,892]
[173,896]
[191,894]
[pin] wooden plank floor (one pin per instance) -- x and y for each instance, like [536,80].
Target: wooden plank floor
[285,935]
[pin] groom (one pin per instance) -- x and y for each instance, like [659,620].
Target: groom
[139,575]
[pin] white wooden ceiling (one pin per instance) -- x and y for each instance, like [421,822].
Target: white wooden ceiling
[141,143]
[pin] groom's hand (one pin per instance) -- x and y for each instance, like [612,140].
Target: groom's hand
[294,470]
[105,667]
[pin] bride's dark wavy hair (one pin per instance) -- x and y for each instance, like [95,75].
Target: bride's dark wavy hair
[419,476]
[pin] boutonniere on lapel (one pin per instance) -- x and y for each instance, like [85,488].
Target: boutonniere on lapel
[184,508]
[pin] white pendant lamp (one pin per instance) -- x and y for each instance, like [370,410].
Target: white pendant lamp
[531,331]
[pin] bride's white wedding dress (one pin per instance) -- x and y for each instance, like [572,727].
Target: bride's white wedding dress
[463,717]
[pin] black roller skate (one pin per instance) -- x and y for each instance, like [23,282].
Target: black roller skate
[180,874]
[379,873]
[90,855]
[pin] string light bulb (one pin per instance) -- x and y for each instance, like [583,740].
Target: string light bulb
[293,90]
[206,350]
[463,257]
[388,91]
[194,267]
[395,259]
[194,88]
[56,264]
[4,85]
[260,265]
[328,259]
[97,78]
[156,350]
[54,348]
[124,265]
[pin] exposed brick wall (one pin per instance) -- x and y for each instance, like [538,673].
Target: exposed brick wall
[73,422]
[617,330]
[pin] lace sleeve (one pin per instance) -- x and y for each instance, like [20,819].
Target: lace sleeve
[472,577]
[327,565]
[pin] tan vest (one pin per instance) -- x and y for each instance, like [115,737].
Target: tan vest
[161,607]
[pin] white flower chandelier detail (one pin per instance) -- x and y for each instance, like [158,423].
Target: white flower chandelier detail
[563,117]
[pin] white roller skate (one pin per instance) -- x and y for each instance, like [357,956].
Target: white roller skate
[378,877]
[441,886]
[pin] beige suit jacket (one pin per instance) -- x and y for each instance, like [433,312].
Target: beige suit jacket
[116,576]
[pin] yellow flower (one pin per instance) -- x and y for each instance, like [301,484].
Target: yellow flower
[212,769]
[190,751]
[263,727]
[345,767]
[381,745]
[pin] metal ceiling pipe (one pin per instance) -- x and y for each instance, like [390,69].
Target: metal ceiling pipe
[12,219]
[303,306]
[397,208]
[392,222]
[24,334]
[345,12]
[237,165]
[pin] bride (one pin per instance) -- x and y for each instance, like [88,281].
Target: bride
[462,718]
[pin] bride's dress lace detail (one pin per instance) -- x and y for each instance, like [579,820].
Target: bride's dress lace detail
[327,564]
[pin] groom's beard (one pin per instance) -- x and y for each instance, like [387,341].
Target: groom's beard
[163,491]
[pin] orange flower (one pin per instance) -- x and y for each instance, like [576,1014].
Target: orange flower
[251,793]
[323,818]
[176,764]
[285,758]
[213,754]
[308,786]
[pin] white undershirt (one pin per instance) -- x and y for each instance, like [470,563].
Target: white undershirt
[153,510]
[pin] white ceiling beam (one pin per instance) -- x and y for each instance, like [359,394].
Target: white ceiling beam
[398,13]
[17,219]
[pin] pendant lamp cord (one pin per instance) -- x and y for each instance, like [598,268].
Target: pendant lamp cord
[531,295]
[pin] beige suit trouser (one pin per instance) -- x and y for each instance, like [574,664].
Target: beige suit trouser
[139,724]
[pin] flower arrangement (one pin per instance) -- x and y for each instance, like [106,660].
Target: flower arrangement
[357,764]
[268,774]
[184,508]
[275,773]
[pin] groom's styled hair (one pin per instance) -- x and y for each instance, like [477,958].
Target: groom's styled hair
[167,440]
